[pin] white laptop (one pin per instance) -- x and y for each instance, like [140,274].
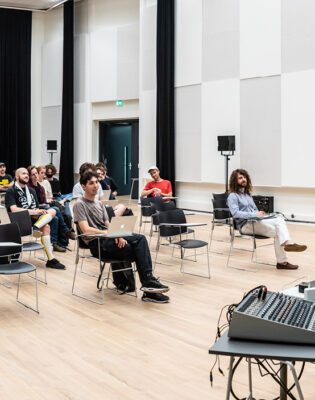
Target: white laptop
[121,226]
[106,194]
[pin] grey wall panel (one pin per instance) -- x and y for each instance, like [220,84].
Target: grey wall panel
[298,35]
[128,62]
[220,39]
[261,129]
[51,129]
[79,68]
[148,48]
[188,133]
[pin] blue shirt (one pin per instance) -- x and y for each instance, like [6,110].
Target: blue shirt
[242,206]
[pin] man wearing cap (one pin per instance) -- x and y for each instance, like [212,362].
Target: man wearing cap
[157,187]
[6,180]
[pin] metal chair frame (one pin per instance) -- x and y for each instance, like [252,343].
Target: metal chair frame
[102,266]
[254,238]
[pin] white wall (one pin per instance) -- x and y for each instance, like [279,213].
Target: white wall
[106,59]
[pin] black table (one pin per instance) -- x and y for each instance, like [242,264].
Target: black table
[285,353]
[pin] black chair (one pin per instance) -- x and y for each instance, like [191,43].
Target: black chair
[254,237]
[55,188]
[10,251]
[110,212]
[102,265]
[24,222]
[146,211]
[221,214]
[173,223]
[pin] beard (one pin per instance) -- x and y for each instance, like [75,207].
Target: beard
[23,181]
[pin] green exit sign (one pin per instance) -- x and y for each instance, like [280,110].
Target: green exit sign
[119,103]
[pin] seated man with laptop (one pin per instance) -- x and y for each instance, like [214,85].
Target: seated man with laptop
[91,217]
[243,209]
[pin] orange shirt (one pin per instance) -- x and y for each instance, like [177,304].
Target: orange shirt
[164,185]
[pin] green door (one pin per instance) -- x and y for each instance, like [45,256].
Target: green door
[116,154]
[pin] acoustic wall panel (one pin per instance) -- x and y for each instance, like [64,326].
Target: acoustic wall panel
[80,48]
[51,129]
[128,62]
[148,48]
[147,131]
[220,116]
[260,38]
[103,65]
[220,51]
[298,35]
[52,58]
[188,42]
[261,129]
[298,127]
[188,133]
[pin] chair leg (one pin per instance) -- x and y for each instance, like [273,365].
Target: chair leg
[36,289]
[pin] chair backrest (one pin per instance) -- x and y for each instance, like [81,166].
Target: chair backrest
[176,216]
[220,214]
[82,244]
[146,209]
[156,200]
[220,196]
[110,212]
[4,217]
[164,206]
[55,187]
[23,221]
[9,233]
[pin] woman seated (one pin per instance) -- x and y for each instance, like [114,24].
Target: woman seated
[59,230]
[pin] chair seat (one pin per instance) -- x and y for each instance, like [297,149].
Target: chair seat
[19,267]
[191,244]
[32,246]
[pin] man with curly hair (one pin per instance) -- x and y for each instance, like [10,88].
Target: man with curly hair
[243,208]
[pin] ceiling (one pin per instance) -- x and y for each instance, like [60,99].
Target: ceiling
[40,5]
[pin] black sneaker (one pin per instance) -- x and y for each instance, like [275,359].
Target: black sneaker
[54,263]
[155,297]
[152,285]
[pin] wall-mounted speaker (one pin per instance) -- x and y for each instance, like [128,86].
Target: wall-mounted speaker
[226,143]
[51,145]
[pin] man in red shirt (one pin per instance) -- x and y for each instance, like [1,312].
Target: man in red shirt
[157,187]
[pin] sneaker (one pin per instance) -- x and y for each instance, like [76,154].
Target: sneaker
[70,235]
[152,285]
[54,263]
[56,247]
[155,297]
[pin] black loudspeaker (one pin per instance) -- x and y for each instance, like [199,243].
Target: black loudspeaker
[226,143]
[264,203]
[51,145]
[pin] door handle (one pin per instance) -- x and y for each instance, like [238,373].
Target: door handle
[125,164]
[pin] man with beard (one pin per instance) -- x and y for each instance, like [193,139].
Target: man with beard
[158,186]
[20,198]
[242,208]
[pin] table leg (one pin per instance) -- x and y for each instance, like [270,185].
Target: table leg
[284,380]
[250,384]
[297,383]
[228,389]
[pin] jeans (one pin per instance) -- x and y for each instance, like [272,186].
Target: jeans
[137,250]
[69,197]
[275,228]
[57,225]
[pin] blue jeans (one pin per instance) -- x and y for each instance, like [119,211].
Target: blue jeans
[57,225]
[69,197]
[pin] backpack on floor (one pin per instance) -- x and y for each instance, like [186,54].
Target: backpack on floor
[123,280]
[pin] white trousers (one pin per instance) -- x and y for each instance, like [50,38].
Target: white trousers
[274,228]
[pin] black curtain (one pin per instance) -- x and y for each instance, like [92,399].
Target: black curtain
[66,154]
[15,88]
[165,127]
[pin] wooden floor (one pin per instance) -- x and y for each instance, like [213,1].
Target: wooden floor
[128,349]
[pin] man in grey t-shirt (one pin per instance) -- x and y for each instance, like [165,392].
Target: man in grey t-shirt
[91,217]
